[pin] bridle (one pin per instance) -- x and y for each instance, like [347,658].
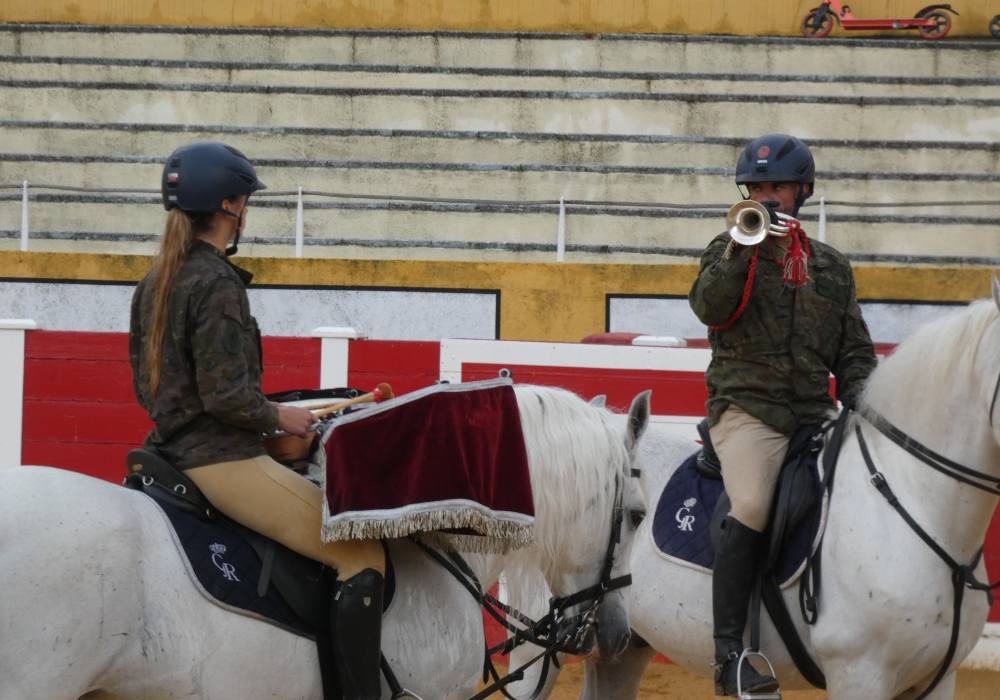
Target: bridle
[962,575]
[555,632]
[993,403]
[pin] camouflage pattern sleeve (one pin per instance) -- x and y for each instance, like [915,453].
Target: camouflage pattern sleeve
[717,291]
[856,358]
[135,350]
[226,361]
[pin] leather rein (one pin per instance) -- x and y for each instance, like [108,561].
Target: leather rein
[962,575]
[554,632]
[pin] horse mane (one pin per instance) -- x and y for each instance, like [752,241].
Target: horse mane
[575,455]
[940,352]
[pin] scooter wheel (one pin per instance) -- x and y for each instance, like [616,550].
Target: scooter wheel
[995,27]
[940,28]
[816,28]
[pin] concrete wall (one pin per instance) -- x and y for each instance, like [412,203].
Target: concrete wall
[743,17]
[433,300]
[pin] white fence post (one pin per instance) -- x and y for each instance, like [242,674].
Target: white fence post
[298,227]
[334,354]
[12,380]
[822,220]
[561,233]
[24,216]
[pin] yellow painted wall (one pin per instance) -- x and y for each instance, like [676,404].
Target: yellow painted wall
[554,302]
[745,17]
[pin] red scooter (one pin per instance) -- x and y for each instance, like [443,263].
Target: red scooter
[933,22]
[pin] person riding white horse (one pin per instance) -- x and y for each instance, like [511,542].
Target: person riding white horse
[781,316]
[197,364]
[100,595]
[903,599]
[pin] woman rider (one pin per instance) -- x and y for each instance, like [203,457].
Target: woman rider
[196,362]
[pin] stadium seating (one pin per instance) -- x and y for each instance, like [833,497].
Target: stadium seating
[512,121]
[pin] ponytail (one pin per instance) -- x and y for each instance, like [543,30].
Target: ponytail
[178,236]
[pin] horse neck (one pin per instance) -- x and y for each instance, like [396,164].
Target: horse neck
[575,456]
[947,420]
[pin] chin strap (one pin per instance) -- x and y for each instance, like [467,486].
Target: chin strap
[233,247]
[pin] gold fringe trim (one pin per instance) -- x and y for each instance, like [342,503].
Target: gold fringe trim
[496,536]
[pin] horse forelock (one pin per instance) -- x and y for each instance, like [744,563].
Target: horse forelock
[576,456]
[939,355]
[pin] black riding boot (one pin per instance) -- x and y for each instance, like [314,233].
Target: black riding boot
[737,557]
[357,635]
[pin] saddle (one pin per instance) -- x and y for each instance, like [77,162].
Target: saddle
[291,591]
[798,497]
[797,493]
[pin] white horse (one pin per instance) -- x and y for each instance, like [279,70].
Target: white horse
[97,602]
[885,609]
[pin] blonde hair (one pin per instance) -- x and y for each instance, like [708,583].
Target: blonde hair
[178,235]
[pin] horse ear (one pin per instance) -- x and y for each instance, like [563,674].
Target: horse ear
[638,419]
[599,401]
[996,288]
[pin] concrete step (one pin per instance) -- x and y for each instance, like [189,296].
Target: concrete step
[492,181]
[633,113]
[474,232]
[528,149]
[719,54]
[429,77]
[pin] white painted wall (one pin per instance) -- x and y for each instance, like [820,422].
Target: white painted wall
[887,322]
[386,314]
[12,388]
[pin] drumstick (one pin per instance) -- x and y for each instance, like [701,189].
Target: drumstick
[381,393]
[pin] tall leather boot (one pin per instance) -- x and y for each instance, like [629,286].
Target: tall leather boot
[357,635]
[737,557]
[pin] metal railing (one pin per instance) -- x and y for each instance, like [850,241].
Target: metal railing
[539,205]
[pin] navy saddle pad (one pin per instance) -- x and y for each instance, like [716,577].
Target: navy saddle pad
[228,568]
[682,524]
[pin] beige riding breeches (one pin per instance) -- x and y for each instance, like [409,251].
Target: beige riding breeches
[751,453]
[271,499]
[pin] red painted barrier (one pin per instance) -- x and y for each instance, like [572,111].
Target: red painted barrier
[80,412]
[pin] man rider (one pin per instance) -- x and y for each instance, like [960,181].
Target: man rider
[782,315]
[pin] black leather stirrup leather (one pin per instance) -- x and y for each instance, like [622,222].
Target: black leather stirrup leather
[734,575]
[356,619]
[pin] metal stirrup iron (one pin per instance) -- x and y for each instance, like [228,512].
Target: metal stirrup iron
[747,695]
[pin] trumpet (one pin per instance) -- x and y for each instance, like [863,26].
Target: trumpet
[750,222]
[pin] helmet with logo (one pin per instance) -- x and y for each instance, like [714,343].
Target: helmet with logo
[197,177]
[777,158]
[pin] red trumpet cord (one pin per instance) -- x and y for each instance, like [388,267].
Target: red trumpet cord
[747,289]
[795,271]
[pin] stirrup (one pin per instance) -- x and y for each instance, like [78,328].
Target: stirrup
[763,695]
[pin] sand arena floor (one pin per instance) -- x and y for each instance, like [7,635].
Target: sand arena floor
[664,681]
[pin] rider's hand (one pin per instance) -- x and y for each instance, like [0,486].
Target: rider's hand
[295,420]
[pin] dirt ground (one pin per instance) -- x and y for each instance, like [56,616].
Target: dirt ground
[668,681]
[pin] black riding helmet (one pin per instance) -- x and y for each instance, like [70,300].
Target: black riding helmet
[777,158]
[197,177]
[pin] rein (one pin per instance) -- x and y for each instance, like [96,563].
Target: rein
[962,575]
[554,632]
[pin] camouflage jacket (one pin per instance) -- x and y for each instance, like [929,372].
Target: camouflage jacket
[209,407]
[775,360]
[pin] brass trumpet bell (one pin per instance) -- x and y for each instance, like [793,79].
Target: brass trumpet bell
[748,222]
